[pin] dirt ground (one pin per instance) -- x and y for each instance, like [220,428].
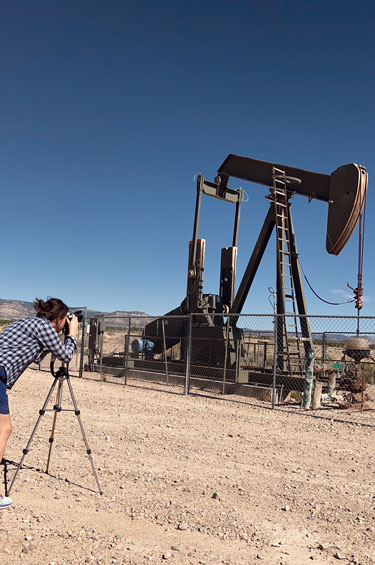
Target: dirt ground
[186,480]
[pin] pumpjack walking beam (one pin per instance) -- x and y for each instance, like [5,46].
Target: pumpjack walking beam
[344,190]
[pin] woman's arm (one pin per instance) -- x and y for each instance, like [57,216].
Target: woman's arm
[49,338]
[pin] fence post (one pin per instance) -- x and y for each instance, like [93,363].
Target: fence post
[126,353]
[306,402]
[77,353]
[324,348]
[274,359]
[82,356]
[188,354]
[225,354]
[101,352]
[165,352]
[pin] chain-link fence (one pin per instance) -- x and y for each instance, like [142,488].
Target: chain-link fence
[151,350]
[320,365]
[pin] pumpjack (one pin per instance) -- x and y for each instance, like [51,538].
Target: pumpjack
[216,341]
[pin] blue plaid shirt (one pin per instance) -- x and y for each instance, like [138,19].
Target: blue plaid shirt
[29,340]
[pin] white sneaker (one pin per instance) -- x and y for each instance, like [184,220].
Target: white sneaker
[5,501]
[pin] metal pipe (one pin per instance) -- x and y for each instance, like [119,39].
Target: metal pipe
[82,356]
[188,354]
[77,351]
[165,352]
[225,354]
[126,352]
[274,359]
[101,352]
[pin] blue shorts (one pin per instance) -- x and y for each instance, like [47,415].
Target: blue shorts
[4,405]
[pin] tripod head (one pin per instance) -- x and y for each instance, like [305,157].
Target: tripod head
[61,371]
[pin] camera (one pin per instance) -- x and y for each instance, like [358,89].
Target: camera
[79,316]
[77,313]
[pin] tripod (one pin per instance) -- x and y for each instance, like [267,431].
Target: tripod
[60,377]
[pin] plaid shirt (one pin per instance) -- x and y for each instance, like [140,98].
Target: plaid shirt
[29,340]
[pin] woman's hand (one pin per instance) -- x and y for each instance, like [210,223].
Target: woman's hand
[73,325]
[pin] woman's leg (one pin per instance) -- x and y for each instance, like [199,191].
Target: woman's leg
[5,431]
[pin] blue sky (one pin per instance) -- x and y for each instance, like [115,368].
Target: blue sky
[109,109]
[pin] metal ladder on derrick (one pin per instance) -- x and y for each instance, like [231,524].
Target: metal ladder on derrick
[289,347]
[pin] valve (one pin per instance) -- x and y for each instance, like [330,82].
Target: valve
[358,293]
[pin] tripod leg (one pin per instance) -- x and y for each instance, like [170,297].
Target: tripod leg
[77,413]
[27,448]
[5,463]
[57,408]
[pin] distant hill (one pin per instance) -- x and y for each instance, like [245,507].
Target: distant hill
[16,309]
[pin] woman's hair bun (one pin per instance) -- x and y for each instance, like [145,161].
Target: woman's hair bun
[51,309]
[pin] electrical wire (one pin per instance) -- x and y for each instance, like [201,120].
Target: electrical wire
[317,295]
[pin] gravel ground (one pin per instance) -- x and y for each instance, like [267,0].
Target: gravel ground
[188,480]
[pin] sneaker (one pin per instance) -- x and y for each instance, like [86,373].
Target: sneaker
[5,501]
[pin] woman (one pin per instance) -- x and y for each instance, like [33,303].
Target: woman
[26,341]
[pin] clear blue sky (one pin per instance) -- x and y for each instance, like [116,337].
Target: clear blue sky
[109,109]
